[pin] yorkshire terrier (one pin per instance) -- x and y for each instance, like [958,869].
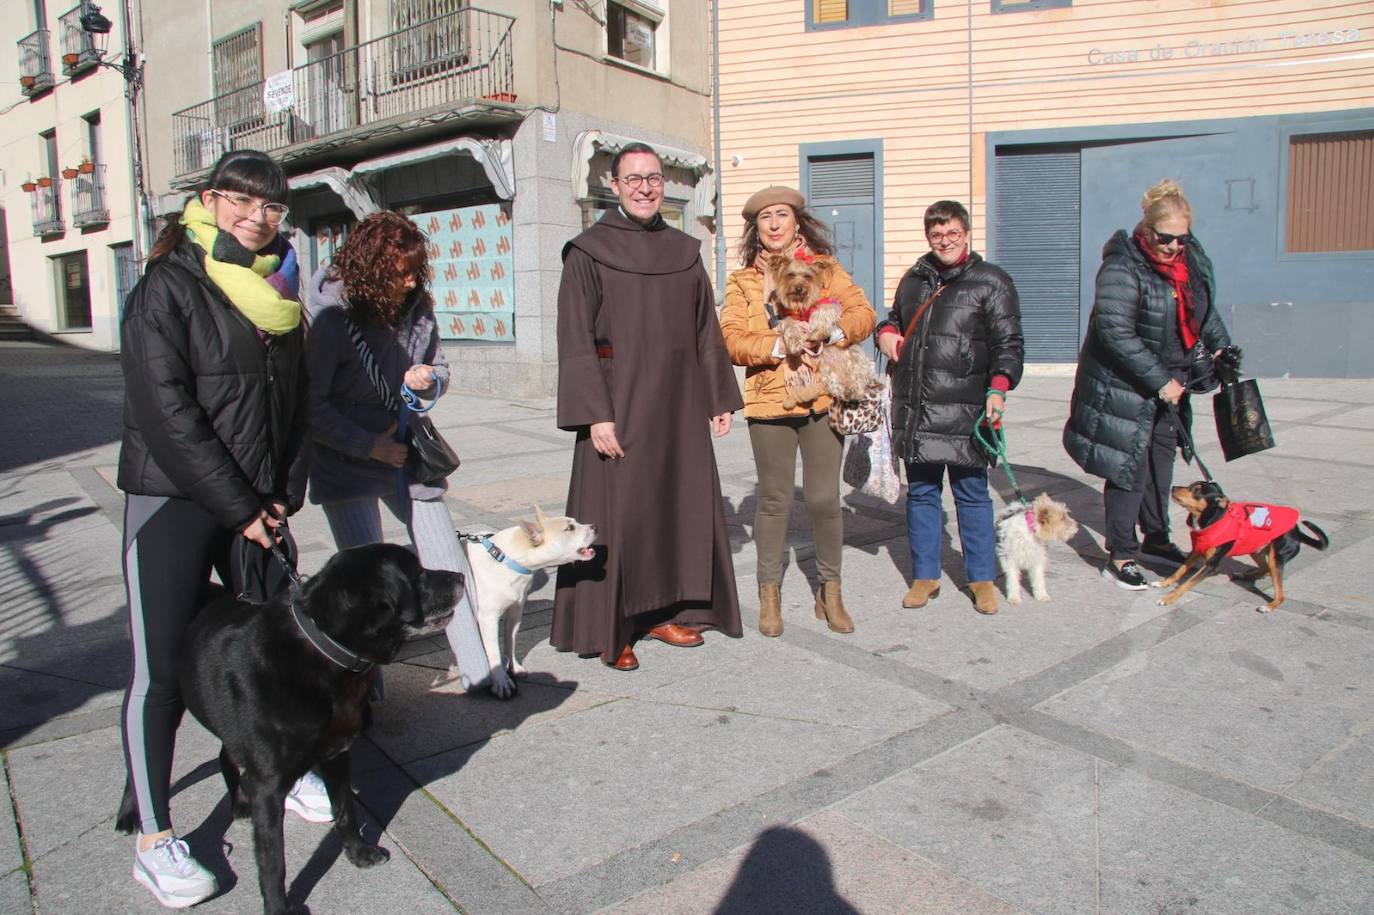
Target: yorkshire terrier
[1023,534]
[808,316]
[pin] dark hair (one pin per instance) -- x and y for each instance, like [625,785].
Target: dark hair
[811,229]
[243,171]
[942,211]
[366,263]
[630,151]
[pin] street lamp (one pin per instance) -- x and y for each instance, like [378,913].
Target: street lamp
[98,26]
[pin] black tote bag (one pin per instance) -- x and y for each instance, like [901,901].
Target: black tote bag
[1242,426]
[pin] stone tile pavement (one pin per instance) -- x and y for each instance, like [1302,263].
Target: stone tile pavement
[1096,753]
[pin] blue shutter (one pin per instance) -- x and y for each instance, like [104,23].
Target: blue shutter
[1036,236]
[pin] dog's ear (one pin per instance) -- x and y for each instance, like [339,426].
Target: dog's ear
[533,530]
[539,518]
[825,265]
[778,263]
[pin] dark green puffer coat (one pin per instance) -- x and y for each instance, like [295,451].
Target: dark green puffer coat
[1124,361]
[970,333]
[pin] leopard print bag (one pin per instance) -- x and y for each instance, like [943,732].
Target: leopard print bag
[853,417]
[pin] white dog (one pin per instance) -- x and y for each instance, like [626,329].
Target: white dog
[503,566]
[1023,532]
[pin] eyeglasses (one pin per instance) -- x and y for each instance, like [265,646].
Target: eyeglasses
[953,236]
[245,207]
[634,181]
[1164,238]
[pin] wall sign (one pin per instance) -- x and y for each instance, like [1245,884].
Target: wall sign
[1250,44]
[473,259]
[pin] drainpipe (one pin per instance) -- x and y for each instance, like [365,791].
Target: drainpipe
[720,166]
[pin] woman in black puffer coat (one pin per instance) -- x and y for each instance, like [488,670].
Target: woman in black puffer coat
[1154,304]
[955,360]
[216,439]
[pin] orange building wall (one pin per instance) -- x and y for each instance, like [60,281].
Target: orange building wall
[932,90]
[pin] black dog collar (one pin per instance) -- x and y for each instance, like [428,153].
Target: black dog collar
[327,646]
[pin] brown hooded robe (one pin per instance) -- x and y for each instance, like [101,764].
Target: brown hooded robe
[662,551]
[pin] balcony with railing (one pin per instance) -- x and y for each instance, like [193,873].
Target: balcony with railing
[89,206]
[47,209]
[454,66]
[35,63]
[79,53]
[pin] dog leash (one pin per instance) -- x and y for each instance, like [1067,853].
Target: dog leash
[322,641]
[995,444]
[1187,440]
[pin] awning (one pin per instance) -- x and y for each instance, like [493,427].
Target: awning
[357,196]
[495,156]
[589,142]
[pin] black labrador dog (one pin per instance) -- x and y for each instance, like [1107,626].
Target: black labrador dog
[284,686]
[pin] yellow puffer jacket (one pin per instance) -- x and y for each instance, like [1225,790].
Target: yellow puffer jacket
[744,322]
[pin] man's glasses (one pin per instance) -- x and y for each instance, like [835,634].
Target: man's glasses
[1164,238]
[953,236]
[245,207]
[634,181]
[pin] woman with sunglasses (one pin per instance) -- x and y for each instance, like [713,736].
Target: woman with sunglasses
[216,437]
[1152,307]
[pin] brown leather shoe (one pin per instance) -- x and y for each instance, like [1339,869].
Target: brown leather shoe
[770,609]
[673,634]
[984,596]
[830,607]
[626,661]
[923,591]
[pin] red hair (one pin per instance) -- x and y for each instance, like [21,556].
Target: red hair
[366,263]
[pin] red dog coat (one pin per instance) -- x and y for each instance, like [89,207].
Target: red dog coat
[1252,525]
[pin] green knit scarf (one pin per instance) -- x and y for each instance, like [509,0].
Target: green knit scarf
[245,286]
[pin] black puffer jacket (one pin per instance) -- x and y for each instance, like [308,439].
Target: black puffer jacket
[971,332]
[211,412]
[1131,350]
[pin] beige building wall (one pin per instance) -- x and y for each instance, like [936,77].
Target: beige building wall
[932,90]
[23,156]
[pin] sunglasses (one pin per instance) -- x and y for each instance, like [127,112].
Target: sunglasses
[1164,238]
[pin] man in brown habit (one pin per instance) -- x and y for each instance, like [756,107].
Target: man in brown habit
[642,374]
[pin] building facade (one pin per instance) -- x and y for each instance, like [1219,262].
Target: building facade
[491,127]
[69,254]
[1050,118]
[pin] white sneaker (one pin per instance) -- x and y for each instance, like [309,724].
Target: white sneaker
[172,875]
[309,799]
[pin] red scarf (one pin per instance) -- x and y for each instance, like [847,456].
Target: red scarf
[1176,272]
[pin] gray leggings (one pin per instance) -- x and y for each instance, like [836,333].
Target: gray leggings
[359,521]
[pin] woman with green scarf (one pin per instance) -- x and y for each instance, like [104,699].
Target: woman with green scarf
[216,439]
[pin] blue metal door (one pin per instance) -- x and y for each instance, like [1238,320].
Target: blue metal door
[841,193]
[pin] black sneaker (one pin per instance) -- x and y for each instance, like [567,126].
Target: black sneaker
[1128,576]
[1164,549]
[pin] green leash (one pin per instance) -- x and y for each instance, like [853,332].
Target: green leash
[994,442]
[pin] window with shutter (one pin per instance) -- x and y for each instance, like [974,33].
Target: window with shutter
[428,38]
[1331,192]
[833,14]
[238,73]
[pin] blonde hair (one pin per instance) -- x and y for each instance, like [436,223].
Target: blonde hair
[1163,200]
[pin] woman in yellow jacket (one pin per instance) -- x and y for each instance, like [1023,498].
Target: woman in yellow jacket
[776,222]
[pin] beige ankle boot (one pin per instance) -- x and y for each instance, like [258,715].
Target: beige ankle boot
[984,596]
[830,607]
[923,591]
[770,609]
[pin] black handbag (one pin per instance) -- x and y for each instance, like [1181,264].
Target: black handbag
[1242,425]
[255,575]
[429,459]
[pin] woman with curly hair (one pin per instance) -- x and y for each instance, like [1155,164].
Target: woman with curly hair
[378,285]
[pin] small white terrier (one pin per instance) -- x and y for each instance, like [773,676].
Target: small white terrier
[1023,533]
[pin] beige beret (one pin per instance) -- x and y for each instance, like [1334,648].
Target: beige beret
[773,194]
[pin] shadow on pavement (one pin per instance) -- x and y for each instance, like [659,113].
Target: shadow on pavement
[786,871]
[59,400]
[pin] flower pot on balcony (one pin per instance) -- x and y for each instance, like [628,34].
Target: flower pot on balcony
[29,187]
[70,59]
[45,182]
[501,96]
[69,173]
[86,167]
[27,81]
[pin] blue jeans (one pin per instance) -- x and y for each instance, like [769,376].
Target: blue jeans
[925,519]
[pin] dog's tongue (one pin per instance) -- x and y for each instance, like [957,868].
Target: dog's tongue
[586,553]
